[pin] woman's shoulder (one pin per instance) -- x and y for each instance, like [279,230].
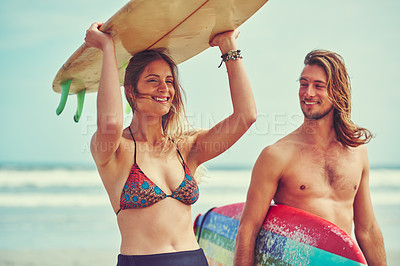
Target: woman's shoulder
[122,151]
[185,141]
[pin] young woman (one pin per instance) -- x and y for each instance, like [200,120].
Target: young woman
[147,167]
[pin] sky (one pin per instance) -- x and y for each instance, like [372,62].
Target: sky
[37,37]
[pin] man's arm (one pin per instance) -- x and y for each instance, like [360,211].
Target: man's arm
[366,228]
[264,183]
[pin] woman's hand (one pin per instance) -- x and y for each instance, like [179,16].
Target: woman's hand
[226,40]
[96,38]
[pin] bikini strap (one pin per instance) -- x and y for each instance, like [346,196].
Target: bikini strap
[180,155]
[133,141]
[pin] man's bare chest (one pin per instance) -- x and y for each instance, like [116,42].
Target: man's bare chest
[333,169]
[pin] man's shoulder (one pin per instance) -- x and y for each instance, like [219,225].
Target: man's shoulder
[288,142]
[361,148]
[361,152]
[281,149]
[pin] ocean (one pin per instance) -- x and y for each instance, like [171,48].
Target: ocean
[62,216]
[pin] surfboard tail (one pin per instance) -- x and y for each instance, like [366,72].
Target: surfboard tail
[65,89]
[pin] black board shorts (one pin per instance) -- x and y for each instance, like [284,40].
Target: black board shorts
[181,258]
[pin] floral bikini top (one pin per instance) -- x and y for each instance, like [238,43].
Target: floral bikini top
[139,191]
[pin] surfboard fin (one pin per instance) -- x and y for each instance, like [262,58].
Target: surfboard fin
[65,86]
[128,109]
[81,98]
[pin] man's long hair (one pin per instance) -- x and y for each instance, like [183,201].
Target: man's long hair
[339,93]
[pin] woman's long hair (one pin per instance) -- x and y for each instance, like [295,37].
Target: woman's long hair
[339,93]
[175,124]
[175,120]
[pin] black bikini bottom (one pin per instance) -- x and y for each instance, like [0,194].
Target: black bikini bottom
[181,258]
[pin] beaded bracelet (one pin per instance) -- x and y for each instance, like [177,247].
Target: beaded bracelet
[231,55]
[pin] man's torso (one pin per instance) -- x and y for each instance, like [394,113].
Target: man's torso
[321,181]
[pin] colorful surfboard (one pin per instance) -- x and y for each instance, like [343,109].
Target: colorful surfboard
[288,236]
[183,27]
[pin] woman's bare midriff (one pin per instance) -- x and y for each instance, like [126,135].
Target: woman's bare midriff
[163,227]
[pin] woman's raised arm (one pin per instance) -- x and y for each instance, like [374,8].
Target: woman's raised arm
[210,143]
[107,138]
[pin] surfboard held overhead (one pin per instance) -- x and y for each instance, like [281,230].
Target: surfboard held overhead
[183,27]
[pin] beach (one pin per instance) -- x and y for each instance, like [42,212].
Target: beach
[61,216]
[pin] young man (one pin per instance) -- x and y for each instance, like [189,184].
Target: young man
[322,167]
